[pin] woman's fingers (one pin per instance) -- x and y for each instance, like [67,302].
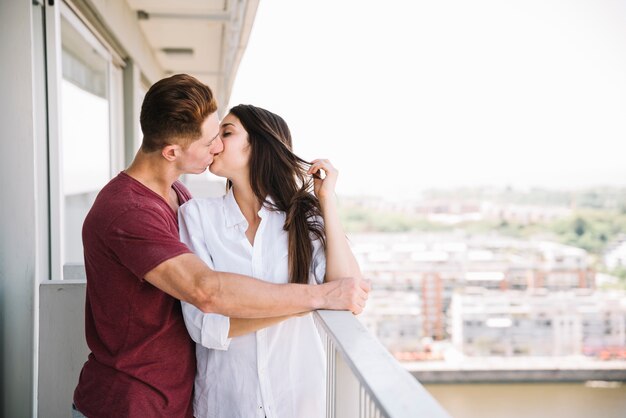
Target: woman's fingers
[324,165]
[324,177]
[315,166]
[315,170]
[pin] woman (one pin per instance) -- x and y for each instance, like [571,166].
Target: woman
[271,227]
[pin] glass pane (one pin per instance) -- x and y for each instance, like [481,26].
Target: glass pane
[85,133]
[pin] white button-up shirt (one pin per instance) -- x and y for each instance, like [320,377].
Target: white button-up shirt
[276,372]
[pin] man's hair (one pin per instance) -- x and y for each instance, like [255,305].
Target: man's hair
[173,112]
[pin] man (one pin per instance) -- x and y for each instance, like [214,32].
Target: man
[142,361]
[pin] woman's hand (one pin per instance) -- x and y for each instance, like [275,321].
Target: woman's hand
[323,187]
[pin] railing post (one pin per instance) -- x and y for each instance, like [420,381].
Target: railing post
[363,379]
[347,390]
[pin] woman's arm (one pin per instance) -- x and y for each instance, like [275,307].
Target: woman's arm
[340,261]
[242,326]
[215,331]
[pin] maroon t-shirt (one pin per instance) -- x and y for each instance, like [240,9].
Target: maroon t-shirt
[142,361]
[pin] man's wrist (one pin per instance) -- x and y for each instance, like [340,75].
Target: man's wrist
[317,296]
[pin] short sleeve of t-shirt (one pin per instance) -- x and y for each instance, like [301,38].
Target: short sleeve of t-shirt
[142,239]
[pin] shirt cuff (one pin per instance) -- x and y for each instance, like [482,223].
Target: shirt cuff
[215,330]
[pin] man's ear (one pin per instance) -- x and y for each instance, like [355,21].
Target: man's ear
[171,152]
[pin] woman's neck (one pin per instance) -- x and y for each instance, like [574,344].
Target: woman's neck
[247,201]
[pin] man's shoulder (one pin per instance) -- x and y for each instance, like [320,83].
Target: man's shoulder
[121,194]
[119,197]
[182,191]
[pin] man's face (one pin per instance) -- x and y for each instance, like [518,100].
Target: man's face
[199,155]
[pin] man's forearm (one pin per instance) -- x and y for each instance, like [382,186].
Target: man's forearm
[239,296]
[188,278]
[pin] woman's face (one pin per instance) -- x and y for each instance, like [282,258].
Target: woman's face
[233,160]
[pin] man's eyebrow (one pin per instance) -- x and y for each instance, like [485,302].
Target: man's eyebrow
[214,138]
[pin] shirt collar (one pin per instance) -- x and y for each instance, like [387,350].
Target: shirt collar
[233,212]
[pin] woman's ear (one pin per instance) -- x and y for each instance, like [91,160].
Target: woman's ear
[170,152]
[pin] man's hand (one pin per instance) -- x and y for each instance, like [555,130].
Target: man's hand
[344,294]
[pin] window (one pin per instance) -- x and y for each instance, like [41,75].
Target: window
[87,149]
[85,132]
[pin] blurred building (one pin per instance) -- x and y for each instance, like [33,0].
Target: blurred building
[395,318]
[433,266]
[524,214]
[538,323]
[452,211]
[615,257]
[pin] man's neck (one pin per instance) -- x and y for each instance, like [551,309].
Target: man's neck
[154,172]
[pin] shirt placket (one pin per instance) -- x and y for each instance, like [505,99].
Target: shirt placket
[261,335]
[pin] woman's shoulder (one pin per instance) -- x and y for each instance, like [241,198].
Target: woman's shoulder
[202,206]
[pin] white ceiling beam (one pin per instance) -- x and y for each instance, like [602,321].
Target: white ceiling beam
[219,17]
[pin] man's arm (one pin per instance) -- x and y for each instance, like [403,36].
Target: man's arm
[188,278]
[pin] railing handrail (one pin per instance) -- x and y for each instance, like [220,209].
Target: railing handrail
[395,392]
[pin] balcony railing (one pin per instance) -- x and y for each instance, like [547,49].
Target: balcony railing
[363,380]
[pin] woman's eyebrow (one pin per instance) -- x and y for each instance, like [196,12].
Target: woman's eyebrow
[226,124]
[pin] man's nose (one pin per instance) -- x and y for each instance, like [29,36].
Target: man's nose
[218,145]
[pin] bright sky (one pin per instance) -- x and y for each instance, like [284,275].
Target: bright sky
[407,95]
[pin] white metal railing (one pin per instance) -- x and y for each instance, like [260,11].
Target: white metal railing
[362,379]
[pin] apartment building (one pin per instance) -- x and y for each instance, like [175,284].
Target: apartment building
[433,266]
[538,322]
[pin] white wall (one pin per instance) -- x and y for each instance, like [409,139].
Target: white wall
[63,349]
[19,172]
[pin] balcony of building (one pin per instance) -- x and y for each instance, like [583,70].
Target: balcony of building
[363,379]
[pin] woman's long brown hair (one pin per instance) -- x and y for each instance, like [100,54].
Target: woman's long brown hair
[276,172]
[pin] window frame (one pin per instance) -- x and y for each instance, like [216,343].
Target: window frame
[59,269]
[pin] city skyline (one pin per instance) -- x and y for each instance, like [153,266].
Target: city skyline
[449,297]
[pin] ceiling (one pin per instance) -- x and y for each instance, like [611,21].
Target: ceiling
[204,38]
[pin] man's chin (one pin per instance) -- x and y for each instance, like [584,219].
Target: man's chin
[198,171]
